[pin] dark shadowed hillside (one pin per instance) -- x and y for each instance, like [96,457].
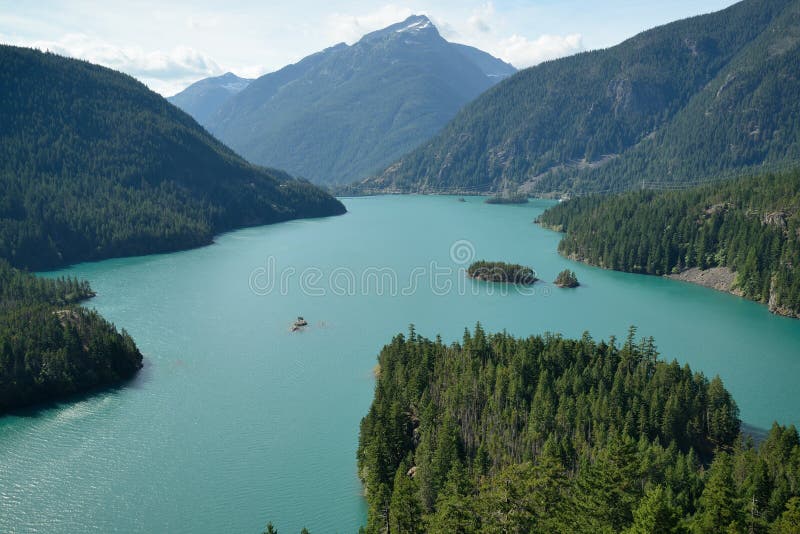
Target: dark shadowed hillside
[94,165]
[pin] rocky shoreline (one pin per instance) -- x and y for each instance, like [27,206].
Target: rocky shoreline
[719,278]
[723,279]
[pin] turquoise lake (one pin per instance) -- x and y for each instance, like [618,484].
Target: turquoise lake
[235,420]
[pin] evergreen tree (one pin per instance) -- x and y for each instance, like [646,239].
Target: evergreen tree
[719,505]
[455,507]
[789,521]
[655,514]
[607,489]
[405,514]
[547,434]
[747,226]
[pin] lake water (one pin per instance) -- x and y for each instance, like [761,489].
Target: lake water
[236,421]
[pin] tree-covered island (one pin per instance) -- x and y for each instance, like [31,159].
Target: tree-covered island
[567,278]
[501,272]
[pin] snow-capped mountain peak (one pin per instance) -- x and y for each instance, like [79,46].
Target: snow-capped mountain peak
[419,23]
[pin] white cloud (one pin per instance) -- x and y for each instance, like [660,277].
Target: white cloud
[481,18]
[202,22]
[522,52]
[350,28]
[162,71]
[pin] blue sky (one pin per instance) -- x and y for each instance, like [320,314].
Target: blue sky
[169,45]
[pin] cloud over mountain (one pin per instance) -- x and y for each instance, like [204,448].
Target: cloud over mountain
[161,70]
[523,52]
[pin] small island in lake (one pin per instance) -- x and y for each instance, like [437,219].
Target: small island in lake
[501,272]
[516,198]
[567,278]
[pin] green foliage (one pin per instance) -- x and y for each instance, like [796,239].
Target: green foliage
[508,199]
[94,165]
[567,278]
[789,522]
[546,434]
[50,348]
[691,99]
[405,515]
[719,508]
[606,489]
[750,226]
[501,272]
[348,111]
[655,514]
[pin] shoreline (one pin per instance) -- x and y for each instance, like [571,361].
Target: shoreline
[717,278]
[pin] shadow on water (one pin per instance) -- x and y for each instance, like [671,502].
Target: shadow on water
[758,434]
[38,409]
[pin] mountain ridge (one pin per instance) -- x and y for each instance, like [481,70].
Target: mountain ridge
[579,123]
[204,97]
[349,110]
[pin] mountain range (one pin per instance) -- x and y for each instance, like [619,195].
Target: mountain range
[348,111]
[694,99]
[203,98]
[94,165]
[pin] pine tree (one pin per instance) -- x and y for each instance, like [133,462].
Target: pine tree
[723,414]
[607,489]
[656,514]
[455,507]
[789,521]
[719,505]
[405,513]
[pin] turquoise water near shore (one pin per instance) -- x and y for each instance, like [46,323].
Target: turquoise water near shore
[236,421]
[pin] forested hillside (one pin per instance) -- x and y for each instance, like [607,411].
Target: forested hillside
[545,434]
[348,111]
[695,98]
[51,348]
[94,165]
[750,226]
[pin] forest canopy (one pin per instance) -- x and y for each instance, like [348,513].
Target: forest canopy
[50,347]
[94,165]
[547,434]
[750,226]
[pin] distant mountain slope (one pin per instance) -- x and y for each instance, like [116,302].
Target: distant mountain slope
[670,100]
[748,115]
[94,165]
[348,111]
[490,65]
[202,99]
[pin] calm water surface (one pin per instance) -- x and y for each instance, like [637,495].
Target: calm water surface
[236,421]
